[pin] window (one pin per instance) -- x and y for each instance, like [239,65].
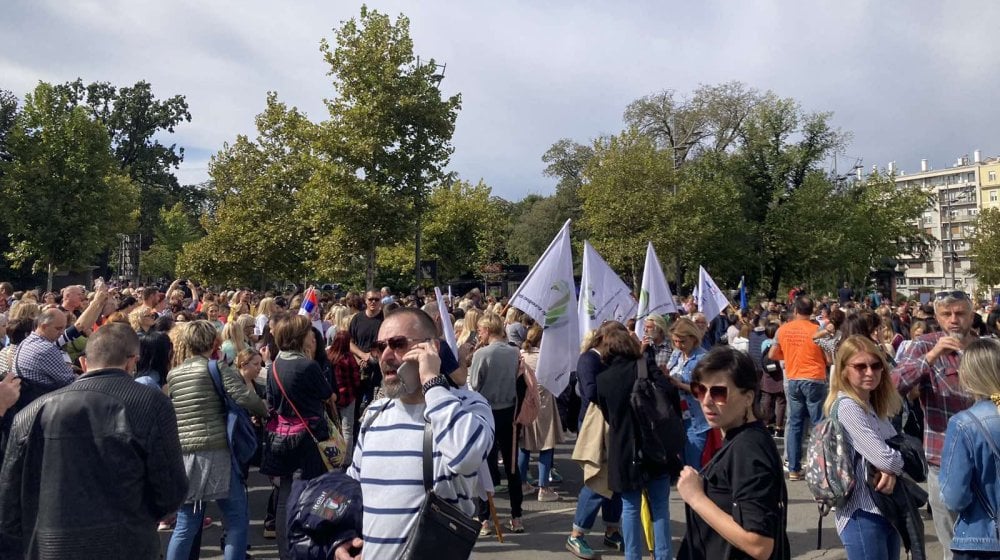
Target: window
[916,281]
[993,192]
[932,281]
[992,176]
[929,266]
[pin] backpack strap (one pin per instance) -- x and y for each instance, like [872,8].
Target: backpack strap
[643,370]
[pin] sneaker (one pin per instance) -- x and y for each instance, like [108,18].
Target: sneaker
[527,488]
[515,525]
[614,540]
[486,529]
[500,488]
[555,477]
[547,495]
[166,526]
[269,532]
[795,475]
[579,547]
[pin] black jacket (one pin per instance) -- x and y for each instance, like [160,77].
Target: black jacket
[901,508]
[89,470]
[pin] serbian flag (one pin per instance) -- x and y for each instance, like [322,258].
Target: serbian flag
[310,304]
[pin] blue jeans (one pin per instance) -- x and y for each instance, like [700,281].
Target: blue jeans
[870,537]
[658,494]
[235,516]
[544,465]
[804,397]
[693,449]
[587,506]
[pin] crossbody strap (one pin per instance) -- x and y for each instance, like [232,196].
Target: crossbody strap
[274,370]
[976,487]
[216,376]
[428,457]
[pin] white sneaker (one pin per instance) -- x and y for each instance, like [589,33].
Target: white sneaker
[547,495]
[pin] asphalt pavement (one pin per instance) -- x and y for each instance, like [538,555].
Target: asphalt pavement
[548,524]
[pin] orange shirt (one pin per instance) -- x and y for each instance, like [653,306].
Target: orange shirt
[804,359]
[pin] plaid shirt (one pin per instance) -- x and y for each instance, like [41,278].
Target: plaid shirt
[39,360]
[661,353]
[940,393]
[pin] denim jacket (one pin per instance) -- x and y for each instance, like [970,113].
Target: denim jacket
[968,462]
[694,418]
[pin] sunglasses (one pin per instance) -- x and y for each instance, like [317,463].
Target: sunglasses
[397,343]
[956,294]
[374,299]
[718,393]
[874,367]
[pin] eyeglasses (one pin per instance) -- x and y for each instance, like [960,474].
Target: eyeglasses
[875,367]
[956,294]
[374,299]
[718,393]
[397,343]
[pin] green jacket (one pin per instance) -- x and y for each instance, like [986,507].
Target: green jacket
[201,414]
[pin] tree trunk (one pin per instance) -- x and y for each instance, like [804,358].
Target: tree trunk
[776,272]
[48,284]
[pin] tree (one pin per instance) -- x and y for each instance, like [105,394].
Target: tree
[174,231]
[135,119]
[985,248]
[627,200]
[65,199]
[388,126]
[8,116]
[255,230]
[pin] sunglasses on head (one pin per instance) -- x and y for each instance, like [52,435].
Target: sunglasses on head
[955,294]
[718,393]
[396,343]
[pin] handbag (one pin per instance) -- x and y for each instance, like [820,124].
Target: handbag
[442,530]
[332,450]
[240,431]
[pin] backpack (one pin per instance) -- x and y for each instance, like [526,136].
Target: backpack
[528,411]
[772,368]
[658,421]
[829,470]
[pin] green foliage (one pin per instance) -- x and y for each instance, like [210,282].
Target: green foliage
[388,126]
[65,199]
[175,230]
[985,249]
[258,183]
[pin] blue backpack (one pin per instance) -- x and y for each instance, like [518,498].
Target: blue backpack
[240,432]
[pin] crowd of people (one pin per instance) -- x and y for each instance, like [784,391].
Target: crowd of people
[117,410]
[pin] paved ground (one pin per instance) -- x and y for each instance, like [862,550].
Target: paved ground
[549,523]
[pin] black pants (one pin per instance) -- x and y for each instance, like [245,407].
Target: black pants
[503,421]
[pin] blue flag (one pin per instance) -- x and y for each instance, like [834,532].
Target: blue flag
[744,303]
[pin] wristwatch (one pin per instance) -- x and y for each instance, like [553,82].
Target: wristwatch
[438,381]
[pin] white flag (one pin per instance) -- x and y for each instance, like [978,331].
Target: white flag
[446,325]
[603,294]
[655,296]
[549,297]
[711,300]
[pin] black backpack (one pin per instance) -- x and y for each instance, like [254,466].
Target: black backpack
[656,409]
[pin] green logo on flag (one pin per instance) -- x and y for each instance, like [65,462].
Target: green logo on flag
[643,302]
[556,314]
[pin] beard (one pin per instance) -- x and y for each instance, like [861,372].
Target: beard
[393,389]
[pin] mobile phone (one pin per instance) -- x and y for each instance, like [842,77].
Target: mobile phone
[409,375]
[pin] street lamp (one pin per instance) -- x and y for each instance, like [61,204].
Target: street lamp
[952,253]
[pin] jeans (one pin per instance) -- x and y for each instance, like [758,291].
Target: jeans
[347,428]
[587,506]
[868,536]
[235,516]
[658,495]
[804,397]
[693,449]
[544,465]
[944,520]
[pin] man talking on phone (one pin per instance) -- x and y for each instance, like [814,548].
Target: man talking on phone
[931,363]
[388,460]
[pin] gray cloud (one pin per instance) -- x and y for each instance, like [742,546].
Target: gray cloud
[909,80]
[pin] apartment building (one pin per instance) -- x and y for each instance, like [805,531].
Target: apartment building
[957,194]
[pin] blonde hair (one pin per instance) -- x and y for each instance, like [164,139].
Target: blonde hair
[979,372]
[266,307]
[192,339]
[685,328]
[884,400]
[25,310]
[135,318]
[234,331]
[472,317]
[493,325]
[336,316]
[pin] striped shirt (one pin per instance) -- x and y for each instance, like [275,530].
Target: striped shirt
[388,461]
[867,434]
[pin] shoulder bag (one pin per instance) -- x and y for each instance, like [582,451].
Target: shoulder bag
[240,432]
[442,531]
[333,450]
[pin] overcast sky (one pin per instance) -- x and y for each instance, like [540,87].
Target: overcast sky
[909,80]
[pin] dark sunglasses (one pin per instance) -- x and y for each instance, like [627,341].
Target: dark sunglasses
[718,393]
[374,299]
[396,343]
[956,294]
[874,366]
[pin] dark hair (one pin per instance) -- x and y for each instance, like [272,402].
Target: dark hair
[804,305]
[19,329]
[771,329]
[319,356]
[339,347]
[837,317]
[618,343]
[267,339]
[154,355]
[163,324]
[129,301]
[863,323]
[731,363]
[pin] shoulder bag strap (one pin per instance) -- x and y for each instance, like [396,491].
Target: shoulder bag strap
[976,487]
[274,370]
[428,457]
[216,375]
[643,370]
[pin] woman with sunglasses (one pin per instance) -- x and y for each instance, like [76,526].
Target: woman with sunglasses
[737,505]
[969,458]
[629,474]
[863,398]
